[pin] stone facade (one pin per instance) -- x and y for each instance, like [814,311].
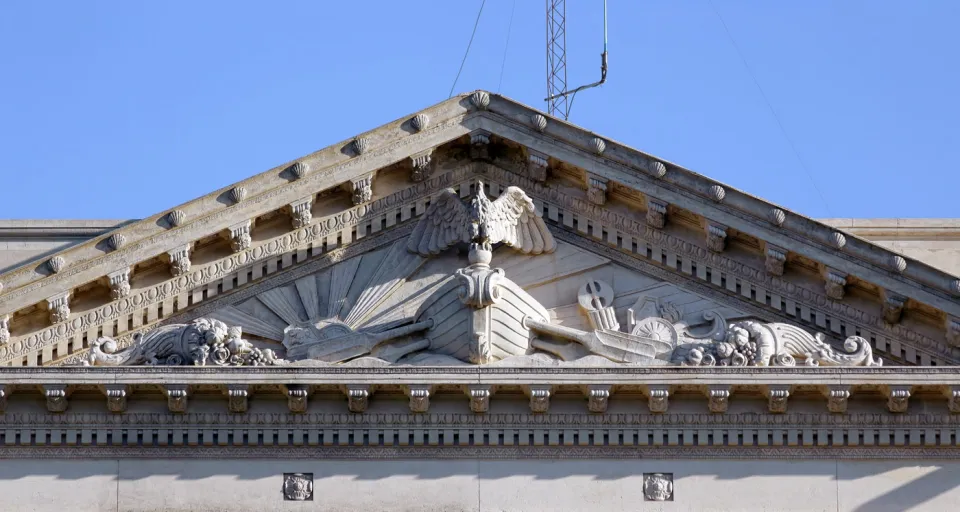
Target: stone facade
[478,308]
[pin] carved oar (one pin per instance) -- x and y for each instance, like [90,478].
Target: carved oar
[618,346]
[356,344]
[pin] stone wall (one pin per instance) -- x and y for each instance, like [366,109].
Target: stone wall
[479,485]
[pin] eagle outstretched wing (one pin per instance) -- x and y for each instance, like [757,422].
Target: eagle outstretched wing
[513,220]
[445,223]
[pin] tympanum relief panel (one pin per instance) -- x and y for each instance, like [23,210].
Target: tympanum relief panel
[479,282]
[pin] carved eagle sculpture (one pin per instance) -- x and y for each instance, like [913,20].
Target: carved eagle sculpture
[511,219]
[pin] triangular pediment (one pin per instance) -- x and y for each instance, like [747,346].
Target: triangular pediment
[246,254]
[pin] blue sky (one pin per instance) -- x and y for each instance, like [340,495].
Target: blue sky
[122,109]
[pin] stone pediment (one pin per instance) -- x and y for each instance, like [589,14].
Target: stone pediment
[315,250]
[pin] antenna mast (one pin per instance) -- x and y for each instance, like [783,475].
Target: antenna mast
[559,98]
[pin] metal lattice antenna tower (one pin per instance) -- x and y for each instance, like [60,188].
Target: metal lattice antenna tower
[558,104]
[559,98]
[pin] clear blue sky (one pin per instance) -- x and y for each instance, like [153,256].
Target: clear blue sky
[122,109]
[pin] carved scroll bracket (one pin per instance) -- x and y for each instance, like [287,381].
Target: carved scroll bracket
[537,165]
[176,397]
[598,397]
[119,283]
[361,188]
[237,397]
[239,235]
[893,304]
[718,397]
[421,166]
[59,307]
[180,260]
[480,145]
[658,397]
[297,397]
[56,396]
[358,396]
[835,281]
[301,212]
[596,188]
[4,329]
[837,397]
[898,398]
[777,395]
[716,236]
[776,258]
[116,397]
[539,397]
[419,397]
[479,395]
[656,212]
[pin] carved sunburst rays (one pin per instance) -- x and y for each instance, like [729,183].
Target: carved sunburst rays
[351,292]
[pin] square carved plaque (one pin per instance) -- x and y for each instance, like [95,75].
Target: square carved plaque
[658,486]
[298,486]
